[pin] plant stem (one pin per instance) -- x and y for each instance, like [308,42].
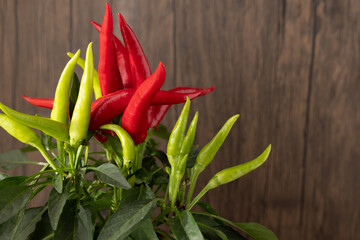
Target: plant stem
[199,196]
[191,189]
[48,158]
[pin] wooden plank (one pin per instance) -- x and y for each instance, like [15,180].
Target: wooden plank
[332,162]
[34,43]
[257,53]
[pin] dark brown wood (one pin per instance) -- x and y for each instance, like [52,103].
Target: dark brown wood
[289,68]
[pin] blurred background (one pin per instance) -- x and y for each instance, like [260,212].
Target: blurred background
[291,69]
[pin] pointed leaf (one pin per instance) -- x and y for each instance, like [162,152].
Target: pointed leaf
[111,174]
[14,158]
[85,228]
[3,176]
[256,231]
[66,229]
[211,232]
[56,205]
[43,228]
[28,223]
[144,232]
[186,223]
[58,183]
[14,196]
[127,218]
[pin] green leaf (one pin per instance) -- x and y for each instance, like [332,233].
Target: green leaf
[66,228]
[111,174]
[144,232]
[3,176]
[185,224]
[14,196]
[85,227]
[213,229]
[192,157]
[43,228]
[58,183]
[127,218]
[56,205]
[103,203]
[211,232]
[138,193]
[15,158]
[256,231]
[177,229]
[28,223]
[162,132]
[6,228]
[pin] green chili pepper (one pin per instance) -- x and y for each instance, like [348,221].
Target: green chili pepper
[96,83]
[126,142]
[81,116]
[177,135]
[26,135]
[230,174]
[53,128]
[176,175]
[207,154]
[190,136]
[60,111]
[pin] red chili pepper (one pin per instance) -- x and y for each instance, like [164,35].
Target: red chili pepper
[106,108]
[139,65]
[109,76]
[122,57]
[161,110]
[40,102]
[134,119]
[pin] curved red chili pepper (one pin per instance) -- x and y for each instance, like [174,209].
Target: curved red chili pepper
[40,102]
[161,110]
[109,76]
[108,107]
[134,119]
[122,58]
[139,65]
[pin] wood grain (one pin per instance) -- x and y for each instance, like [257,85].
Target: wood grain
[289,68]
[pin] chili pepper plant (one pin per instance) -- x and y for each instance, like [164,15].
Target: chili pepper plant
[131,189]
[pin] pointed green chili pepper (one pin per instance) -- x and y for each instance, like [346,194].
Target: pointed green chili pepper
[207,153]
[60,111]
[177,135]
[96,83]
[190,136]
[230,174]
[81,116]
[126,142]
[174,147]
[176,174]
[53,128]
[26,135]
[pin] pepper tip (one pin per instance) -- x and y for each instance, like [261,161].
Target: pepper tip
[121,19]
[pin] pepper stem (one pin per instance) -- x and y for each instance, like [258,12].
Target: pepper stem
[193,180]
[46,156]
[199,196]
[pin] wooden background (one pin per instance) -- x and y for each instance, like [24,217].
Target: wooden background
[290,68]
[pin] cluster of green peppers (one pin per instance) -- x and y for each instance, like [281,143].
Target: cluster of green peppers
[178,149]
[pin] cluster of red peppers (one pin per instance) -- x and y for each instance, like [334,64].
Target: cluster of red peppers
[127,85]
